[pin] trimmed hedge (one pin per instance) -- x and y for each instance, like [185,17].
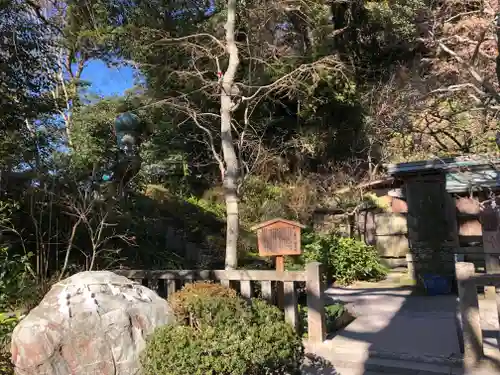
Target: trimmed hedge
[221,334]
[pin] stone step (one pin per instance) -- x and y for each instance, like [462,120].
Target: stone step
[343,361]
[390,366]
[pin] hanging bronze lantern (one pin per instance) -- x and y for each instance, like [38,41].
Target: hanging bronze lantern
[128,131]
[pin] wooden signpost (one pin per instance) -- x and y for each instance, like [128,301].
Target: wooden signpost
[277,238]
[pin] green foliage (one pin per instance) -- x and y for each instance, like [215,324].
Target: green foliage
[182,300]
[16,279]
[396,18]
[224,335]
[92,134]
[16,275]
[24,82]
[313,89]
[7,324]
[217,209]
[266,199]
[332,314]
[262,201]
[354,260]
[346,259]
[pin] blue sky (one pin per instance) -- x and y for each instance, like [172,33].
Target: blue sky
[107,81]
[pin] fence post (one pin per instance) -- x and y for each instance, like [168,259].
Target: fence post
[469,310]
[315,302]
[410,266]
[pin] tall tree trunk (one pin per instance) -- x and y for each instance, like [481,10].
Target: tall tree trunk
[231,175]
[498,43]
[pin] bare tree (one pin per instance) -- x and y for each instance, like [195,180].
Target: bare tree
[92,218]
[213,69]
[231,174]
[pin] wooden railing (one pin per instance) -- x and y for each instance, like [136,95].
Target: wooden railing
[166,282]
[468,282]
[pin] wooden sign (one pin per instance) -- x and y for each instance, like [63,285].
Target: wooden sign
[278,237]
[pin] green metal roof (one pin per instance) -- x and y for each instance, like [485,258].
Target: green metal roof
[467,173]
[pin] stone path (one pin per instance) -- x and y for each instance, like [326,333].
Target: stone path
[397,330]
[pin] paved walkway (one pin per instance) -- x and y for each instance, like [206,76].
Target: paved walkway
[389,320]
[393,324]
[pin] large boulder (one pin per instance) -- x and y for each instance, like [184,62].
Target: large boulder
[90,323]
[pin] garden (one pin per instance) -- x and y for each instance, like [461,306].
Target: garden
[216,331]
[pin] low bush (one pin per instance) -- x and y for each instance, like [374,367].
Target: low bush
[346,259]
[354,260]
[222,334]
[181,301]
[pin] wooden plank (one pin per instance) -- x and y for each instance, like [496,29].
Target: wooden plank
[267,291]
[315,303]
[470,250]
[280,293]
[486,279]
[497,299]
[489,216]
[474,257]
[290,301]
[246,289]
[170,287]
[491,241]
[410,266]
[492,265]
[216,275]
[469,311]
[490,221]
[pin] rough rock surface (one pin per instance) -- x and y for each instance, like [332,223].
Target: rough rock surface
[90,323]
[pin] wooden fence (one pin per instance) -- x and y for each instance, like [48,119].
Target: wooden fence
[166,282]
[468,282]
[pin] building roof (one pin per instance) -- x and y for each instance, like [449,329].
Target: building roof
[463,173]
[269,222]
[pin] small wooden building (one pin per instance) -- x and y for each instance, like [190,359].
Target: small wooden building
[432,210]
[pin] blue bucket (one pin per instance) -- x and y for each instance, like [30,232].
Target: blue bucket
[436,285]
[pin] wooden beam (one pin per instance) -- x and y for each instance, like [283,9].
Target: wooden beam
[267,291]
[246,289]
[315,303]
[216,275]
[470,250]
[291,306]
[469,311]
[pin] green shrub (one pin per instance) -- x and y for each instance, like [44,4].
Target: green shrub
[261,201]
[182,301]
[17,282]
[7,324]
[346,259]
[217,209]
[354,260]
[224,335]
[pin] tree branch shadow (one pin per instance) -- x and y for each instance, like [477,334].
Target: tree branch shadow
[315,365]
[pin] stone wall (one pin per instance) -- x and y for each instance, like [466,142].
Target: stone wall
[387,231]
